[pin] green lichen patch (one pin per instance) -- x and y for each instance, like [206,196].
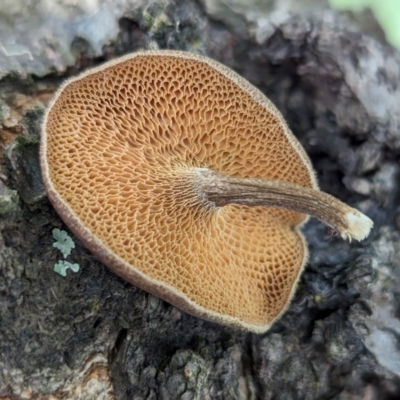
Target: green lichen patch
[62,266]
[64,242]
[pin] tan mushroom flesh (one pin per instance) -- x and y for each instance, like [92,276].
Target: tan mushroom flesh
[130,154]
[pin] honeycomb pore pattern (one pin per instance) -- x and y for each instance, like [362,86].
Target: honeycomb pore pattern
[120,147]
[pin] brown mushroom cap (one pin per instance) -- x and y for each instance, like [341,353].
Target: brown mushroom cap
[120,147]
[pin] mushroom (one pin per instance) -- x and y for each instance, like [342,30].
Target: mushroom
[186,181]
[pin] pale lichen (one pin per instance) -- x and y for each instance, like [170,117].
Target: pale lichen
[64,243]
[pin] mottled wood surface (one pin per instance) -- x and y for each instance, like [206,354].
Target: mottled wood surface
[94,334]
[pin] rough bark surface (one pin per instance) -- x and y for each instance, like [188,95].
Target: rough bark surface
[90,335]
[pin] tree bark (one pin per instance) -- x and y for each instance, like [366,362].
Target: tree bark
[91,335]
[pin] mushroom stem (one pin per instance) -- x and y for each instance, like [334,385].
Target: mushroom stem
[223,190]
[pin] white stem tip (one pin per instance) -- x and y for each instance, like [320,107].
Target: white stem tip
[359,226]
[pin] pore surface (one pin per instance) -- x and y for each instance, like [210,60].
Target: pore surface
[122,145]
